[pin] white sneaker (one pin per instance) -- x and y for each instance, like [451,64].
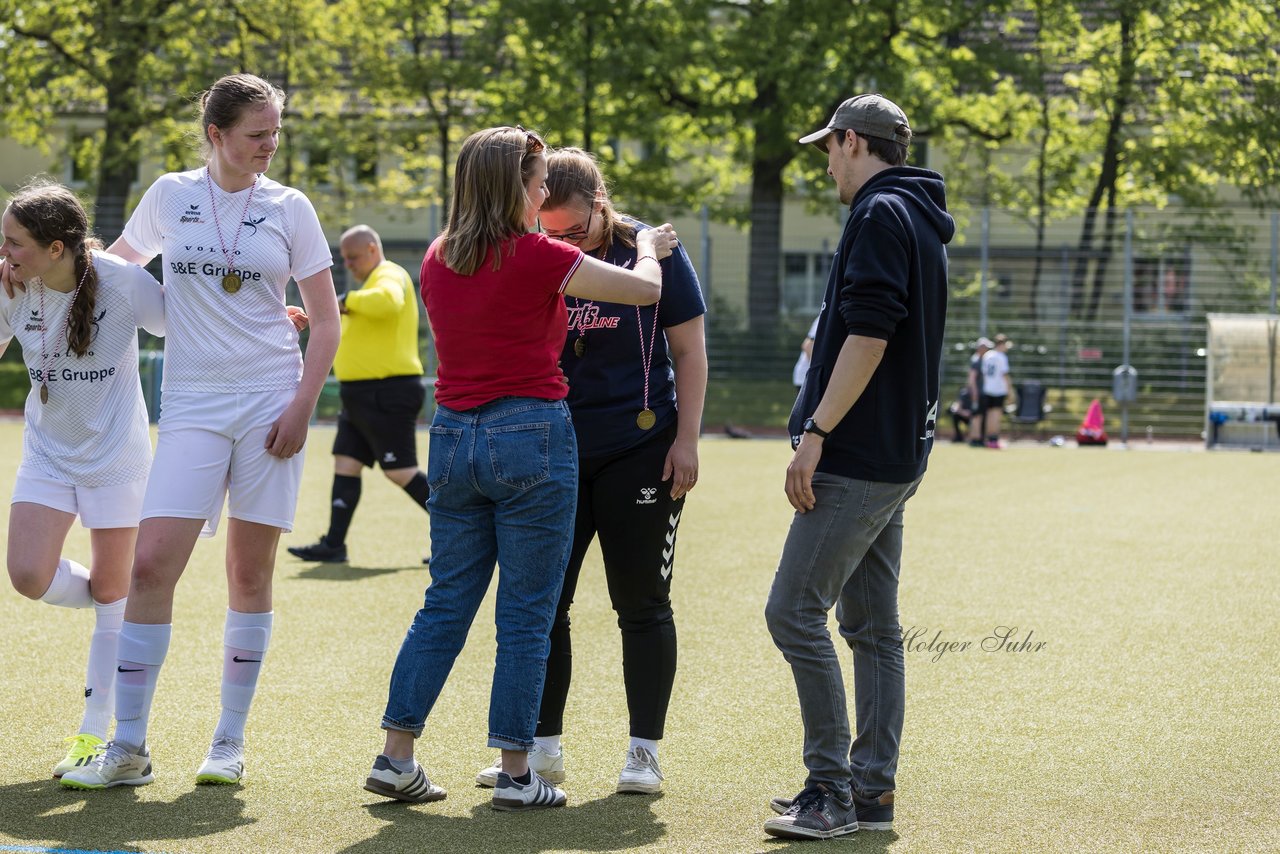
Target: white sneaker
[114,766]
[413,786]
[537,794]
[224,763]
[641,774]
[548,767]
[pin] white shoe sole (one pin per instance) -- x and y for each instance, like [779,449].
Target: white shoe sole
[637,787]
[132,781]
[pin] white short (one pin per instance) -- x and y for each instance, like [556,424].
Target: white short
[211,445]
[117,506]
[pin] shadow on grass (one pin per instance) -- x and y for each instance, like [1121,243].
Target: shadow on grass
[347,572]
[615,823]
[863,840]
[115,818]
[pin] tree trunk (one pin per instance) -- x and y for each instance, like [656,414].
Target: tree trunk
[1109,173]
[118,168]
[771,151]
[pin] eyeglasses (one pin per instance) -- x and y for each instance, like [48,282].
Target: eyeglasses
[533,143]
[575,237]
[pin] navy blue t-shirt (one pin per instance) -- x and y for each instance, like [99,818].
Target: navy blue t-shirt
[606,383]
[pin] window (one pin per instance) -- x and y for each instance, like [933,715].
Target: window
[1162,283]
[804,281]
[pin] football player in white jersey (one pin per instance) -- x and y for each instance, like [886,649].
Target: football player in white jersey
[86,449]
[237,398]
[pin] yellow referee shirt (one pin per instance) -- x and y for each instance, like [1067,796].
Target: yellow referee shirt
[380,328]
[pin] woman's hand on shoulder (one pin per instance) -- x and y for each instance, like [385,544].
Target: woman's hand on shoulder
[297,317]
[9,281]
[660,241]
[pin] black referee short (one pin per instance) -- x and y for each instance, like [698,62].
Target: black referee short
[378,421]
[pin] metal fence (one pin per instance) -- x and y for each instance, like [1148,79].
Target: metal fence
[1136,295]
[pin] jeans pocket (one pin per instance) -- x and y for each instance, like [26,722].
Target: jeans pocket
[879,502]
[442,445]
[519,454]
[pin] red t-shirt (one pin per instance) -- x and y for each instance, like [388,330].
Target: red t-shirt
[500,334]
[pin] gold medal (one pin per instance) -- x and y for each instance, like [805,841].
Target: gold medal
[646,419]
[231,282]
[44,392]
[579,347]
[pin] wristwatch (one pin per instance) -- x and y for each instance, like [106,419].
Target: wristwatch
[811,426]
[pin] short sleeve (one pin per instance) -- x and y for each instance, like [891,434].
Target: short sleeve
[142,231]
[147,297]
[681,294]
[309,251]
[557,260]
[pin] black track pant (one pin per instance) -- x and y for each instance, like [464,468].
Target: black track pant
[622,500]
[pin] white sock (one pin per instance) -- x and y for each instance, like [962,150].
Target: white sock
[245,641]
[142,649]
[69,587]
[100,678]
[550,744]
[647,743]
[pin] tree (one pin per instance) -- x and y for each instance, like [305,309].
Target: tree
[131,64]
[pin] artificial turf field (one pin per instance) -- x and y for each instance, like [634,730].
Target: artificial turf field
[1146,721]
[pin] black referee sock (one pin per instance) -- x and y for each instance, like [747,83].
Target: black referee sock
[418,490]
[346,495]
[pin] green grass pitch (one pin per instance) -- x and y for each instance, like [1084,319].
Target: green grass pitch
[1145,721]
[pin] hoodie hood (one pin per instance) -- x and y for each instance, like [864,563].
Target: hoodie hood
[923,188]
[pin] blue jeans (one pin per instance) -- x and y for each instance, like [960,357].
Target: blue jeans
[504,486]
[846,552]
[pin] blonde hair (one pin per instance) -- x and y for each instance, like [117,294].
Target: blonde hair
[490,198]
[574,175]
[224,103]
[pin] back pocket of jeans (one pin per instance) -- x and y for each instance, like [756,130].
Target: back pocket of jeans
[520,454]
[442,446]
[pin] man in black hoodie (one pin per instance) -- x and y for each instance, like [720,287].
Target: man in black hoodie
[862,429]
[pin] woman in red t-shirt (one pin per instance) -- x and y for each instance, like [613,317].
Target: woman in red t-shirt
[502,459]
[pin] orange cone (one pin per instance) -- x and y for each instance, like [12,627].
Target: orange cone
[1091,430]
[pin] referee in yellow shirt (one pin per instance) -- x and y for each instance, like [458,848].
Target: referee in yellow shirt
[380,382]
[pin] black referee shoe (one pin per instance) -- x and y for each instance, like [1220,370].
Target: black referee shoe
[320,552]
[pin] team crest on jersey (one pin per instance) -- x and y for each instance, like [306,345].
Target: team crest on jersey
[192,214]
[588,317]
[253,223]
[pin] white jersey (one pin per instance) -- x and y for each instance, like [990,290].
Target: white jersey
[93,430]
[801,368]
[995,370]
[221,342]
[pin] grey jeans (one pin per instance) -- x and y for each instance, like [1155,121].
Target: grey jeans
[846,552]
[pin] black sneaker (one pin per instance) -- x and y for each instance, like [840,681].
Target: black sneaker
[815,813]
[321,552]
[873,813]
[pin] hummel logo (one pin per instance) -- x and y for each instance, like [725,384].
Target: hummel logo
[120,669]
[238,660]
[646,495]
[389,457]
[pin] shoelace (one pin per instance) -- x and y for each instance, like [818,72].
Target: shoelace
[75,739]
[113,753]
[224,749]
[807,801]
[641,760]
